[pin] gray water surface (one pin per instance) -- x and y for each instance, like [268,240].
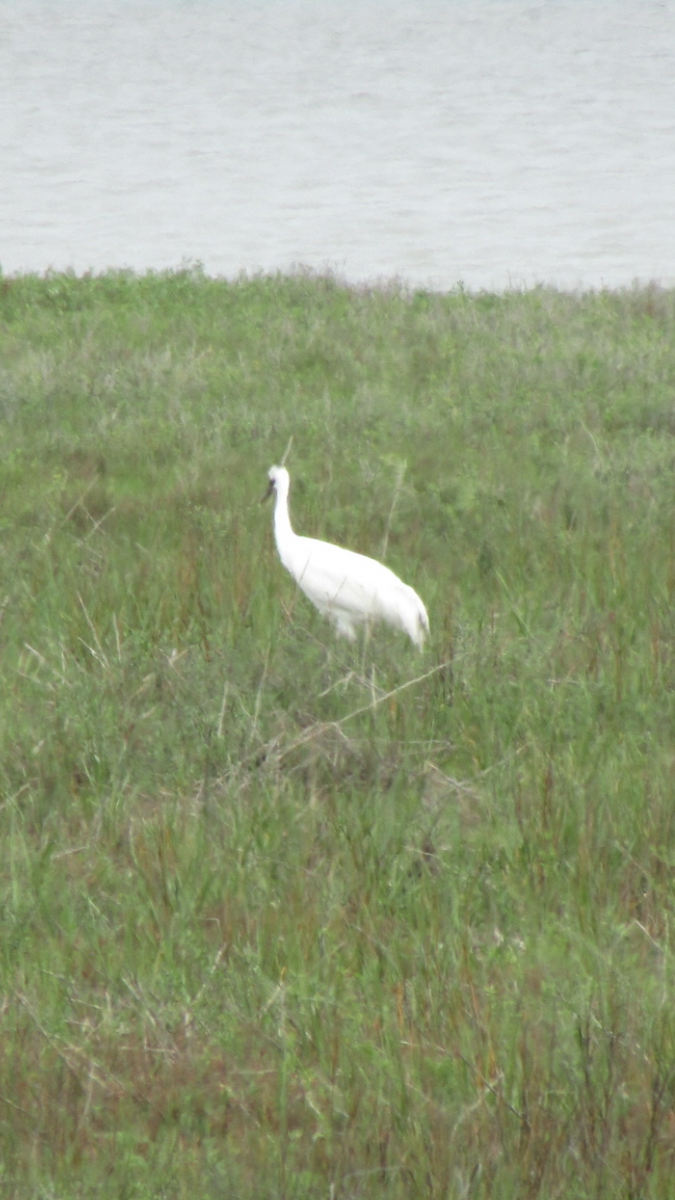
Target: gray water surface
[495,143]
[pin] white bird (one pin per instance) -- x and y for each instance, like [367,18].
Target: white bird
[348,588]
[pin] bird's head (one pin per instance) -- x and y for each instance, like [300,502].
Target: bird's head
[279,480]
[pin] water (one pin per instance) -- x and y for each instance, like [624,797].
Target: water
[495,143]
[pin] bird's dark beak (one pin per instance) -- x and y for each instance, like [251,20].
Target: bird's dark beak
[268,493]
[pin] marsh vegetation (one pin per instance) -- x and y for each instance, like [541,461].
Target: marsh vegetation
[285,917]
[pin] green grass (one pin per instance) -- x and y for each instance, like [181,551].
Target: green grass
[282,917]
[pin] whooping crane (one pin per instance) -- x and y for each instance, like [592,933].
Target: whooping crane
[348,588]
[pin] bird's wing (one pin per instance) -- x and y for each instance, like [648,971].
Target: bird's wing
[336,578]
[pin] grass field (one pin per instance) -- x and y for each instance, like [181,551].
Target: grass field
[285,917]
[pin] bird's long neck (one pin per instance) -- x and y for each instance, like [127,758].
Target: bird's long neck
[283,531]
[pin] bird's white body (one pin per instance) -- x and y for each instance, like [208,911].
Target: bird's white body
[348,588]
